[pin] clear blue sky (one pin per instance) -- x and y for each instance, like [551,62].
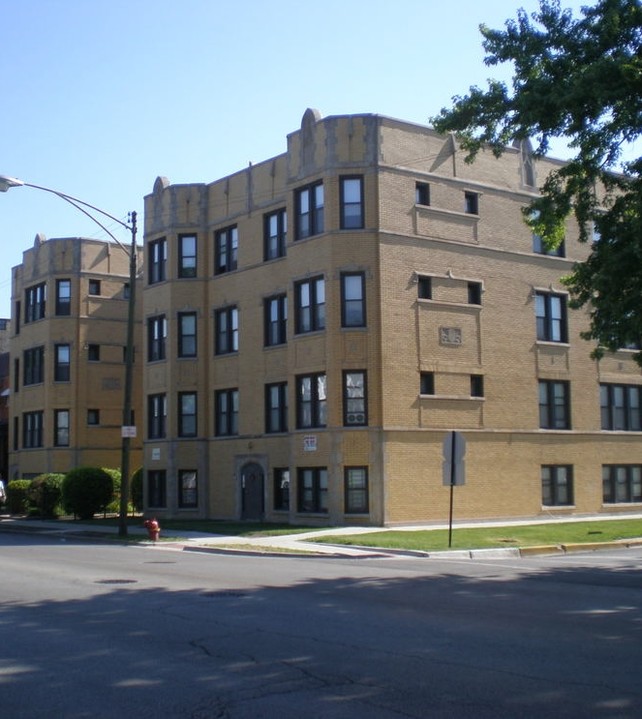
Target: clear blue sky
[99,97]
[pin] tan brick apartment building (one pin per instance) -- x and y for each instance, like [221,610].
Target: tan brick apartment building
[68,332]
[316,324]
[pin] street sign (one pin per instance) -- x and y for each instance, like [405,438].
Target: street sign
[454,450]
[126,431]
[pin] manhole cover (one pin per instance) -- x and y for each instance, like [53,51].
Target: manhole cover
[116,581]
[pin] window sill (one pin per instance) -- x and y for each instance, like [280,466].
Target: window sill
[450,397]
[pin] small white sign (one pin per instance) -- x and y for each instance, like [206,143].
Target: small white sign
[155,453]
[310,443]
[126,431]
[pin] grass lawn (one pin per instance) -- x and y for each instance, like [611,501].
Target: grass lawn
[486,537]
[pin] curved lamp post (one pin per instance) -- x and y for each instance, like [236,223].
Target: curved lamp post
[126,431]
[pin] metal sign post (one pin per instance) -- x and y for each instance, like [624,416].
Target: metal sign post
[454,449]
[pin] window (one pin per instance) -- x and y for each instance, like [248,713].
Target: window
[17,315]
[426,383]
[62,363]
[32,426]
[353,299]
[554,405]
[156,489]
[540,248]
[355,411]
[476,385]
[94,287]
[311,401]
[93,353]
[557,485]
[356,490]
[156,338]
[16,374]
[424,288]
[621,483]
[63,297]
[422,193]
[281,489]
[187,255]
[276,316]
[187,414]
[187,334]
[35,302]
[156,416]
[276,407]
[93,417]
[187,489]
[474,293]
[16,437]
[550,313]
[33,366]
[226,329]
[275,231]
[309,211]
[157,260]
[226,245]
[226,421]
[351,201]
[310,305]
[471,203]
[620,407]
[313,489]
[61,428]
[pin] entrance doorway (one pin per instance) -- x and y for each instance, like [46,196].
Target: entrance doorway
[252,499]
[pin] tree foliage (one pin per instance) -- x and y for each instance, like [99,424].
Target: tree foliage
[578,78]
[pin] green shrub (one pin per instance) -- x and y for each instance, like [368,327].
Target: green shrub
[136,490]
[114,504]
[86,491]
[45,493]
[17,496]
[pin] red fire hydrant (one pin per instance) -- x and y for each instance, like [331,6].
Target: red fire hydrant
[153,529]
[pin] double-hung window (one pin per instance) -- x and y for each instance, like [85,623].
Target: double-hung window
[355,407]
[157,260]
[187,417]
[621,483]
[61,428]
[309,296]
[550,313]
[353,299]
[351,203]
[33,366]
[311,405]
[557,485]
[356,490]
[157,488]
[226,407]
[276,317]
[309,203]
[275,233]
[35,302]
[554,405]
[620,407]
[156,338]
[313,490]
[226,331]
[32,429]
[226,245]
[62,363]
[276,407]
[187,255]
[187,489]
[63,297]
[187,334]
[156,416]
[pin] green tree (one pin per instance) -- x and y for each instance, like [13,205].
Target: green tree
[577,78]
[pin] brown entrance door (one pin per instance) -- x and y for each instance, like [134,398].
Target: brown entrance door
[252,502]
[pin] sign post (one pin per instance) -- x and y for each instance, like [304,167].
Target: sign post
[454,449]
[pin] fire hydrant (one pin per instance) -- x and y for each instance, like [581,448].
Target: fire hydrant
[153,529]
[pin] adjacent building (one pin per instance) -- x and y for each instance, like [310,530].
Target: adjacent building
[68,336]
[316,325]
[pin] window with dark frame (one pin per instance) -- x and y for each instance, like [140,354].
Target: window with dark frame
[312,490]
[474,293]
[226,245]
[550,314]
[351,203]
[620,407]
[426,383]
[309,204]
[476,385]
[353,299]
[422,193]
[311,405]
[94,287]
[157,261]
[16,374]
[156,338]
[32,429]
[187,334]
[93,353]
[93,417]
[35,303]
[187,256]
[276,316]
[63,298]
[356,490]
[557,485]
[226,408]
[621,483]
[187,489]
[276,407]
[156,488]
[471,203]
[281,491]
[226,330]
[61,428]
[554,405]
[424,287]
[275,233]
[62,363]
[33,361]
[187,417]
[309,297]
[355,405]
[156,416]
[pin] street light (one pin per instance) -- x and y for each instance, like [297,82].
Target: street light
[127,431]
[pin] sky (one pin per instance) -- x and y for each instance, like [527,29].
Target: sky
[100,97]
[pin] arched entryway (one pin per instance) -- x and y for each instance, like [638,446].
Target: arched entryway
[252,491]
